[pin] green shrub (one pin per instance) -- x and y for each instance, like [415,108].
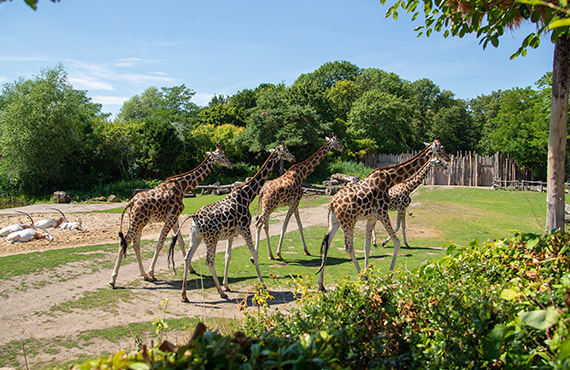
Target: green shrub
[495,305]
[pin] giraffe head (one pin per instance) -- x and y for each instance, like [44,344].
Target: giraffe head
[439,163]
[438,150]
[281,152]
[219,156]
[336,144]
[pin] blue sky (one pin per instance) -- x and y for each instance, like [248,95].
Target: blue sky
[116,49]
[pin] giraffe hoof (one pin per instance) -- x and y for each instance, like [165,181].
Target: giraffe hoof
[252,260]
[192,271]
[148,278]
[322,289]
[224,295]
[307,253]
[227,289]
[185,299]
[112,284]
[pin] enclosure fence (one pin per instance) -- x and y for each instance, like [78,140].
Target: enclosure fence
[465,169]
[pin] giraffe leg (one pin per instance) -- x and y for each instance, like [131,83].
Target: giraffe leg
[300,226]
[349,246]
[326,244]
[283,230]
[404,229]
[163,233]
[118,261]
[137,248]
[210,262]
[398,220]
[369,230]
[268,238]
[374,235]
[388,226]
[247,237]
[195,240]
[228,258]
[192,249]
[180,239]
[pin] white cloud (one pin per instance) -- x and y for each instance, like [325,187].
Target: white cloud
[138,78]
[109,100]
[89,83]
[129,62]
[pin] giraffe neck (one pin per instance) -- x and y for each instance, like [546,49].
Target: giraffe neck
[251,188]
[305,168]
[413,183]
[401,172]
[186,182]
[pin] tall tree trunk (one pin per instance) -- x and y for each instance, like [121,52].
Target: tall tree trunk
[557,135]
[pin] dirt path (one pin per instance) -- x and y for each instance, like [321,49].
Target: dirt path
[27,309]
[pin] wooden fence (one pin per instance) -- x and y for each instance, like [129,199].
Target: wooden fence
[465,169]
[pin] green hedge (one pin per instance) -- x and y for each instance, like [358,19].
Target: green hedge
[494,305]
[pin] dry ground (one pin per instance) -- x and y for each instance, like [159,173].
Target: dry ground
[27,304]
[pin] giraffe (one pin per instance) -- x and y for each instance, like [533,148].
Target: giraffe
[368,200]
[400,197]
[226,219]
[287,190]
[163,203]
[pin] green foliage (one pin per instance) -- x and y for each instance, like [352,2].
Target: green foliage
[453,125]
[499,304]
[488,21]
[384,119]
[221,114]
[522,124]
[46,137]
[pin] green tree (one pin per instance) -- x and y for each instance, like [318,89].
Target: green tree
[161,149]
[377,79]
[292,124]
[379,121]
[221,114]
[312,89]
[46,138]
[454,126]
[488,21]
[484,109]
[342,95]
[521,128]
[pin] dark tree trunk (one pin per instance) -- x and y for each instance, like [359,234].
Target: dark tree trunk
[557,135]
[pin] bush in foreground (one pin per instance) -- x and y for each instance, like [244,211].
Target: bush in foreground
[500,304]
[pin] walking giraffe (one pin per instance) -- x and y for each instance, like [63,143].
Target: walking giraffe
[368,200]
[226,219]
[287,190]
[163,203]
[400,197]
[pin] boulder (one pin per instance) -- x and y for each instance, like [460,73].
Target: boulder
[61,197]
[113,199]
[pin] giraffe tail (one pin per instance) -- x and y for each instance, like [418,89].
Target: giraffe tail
[324,251]
[170,257]
[121,235]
